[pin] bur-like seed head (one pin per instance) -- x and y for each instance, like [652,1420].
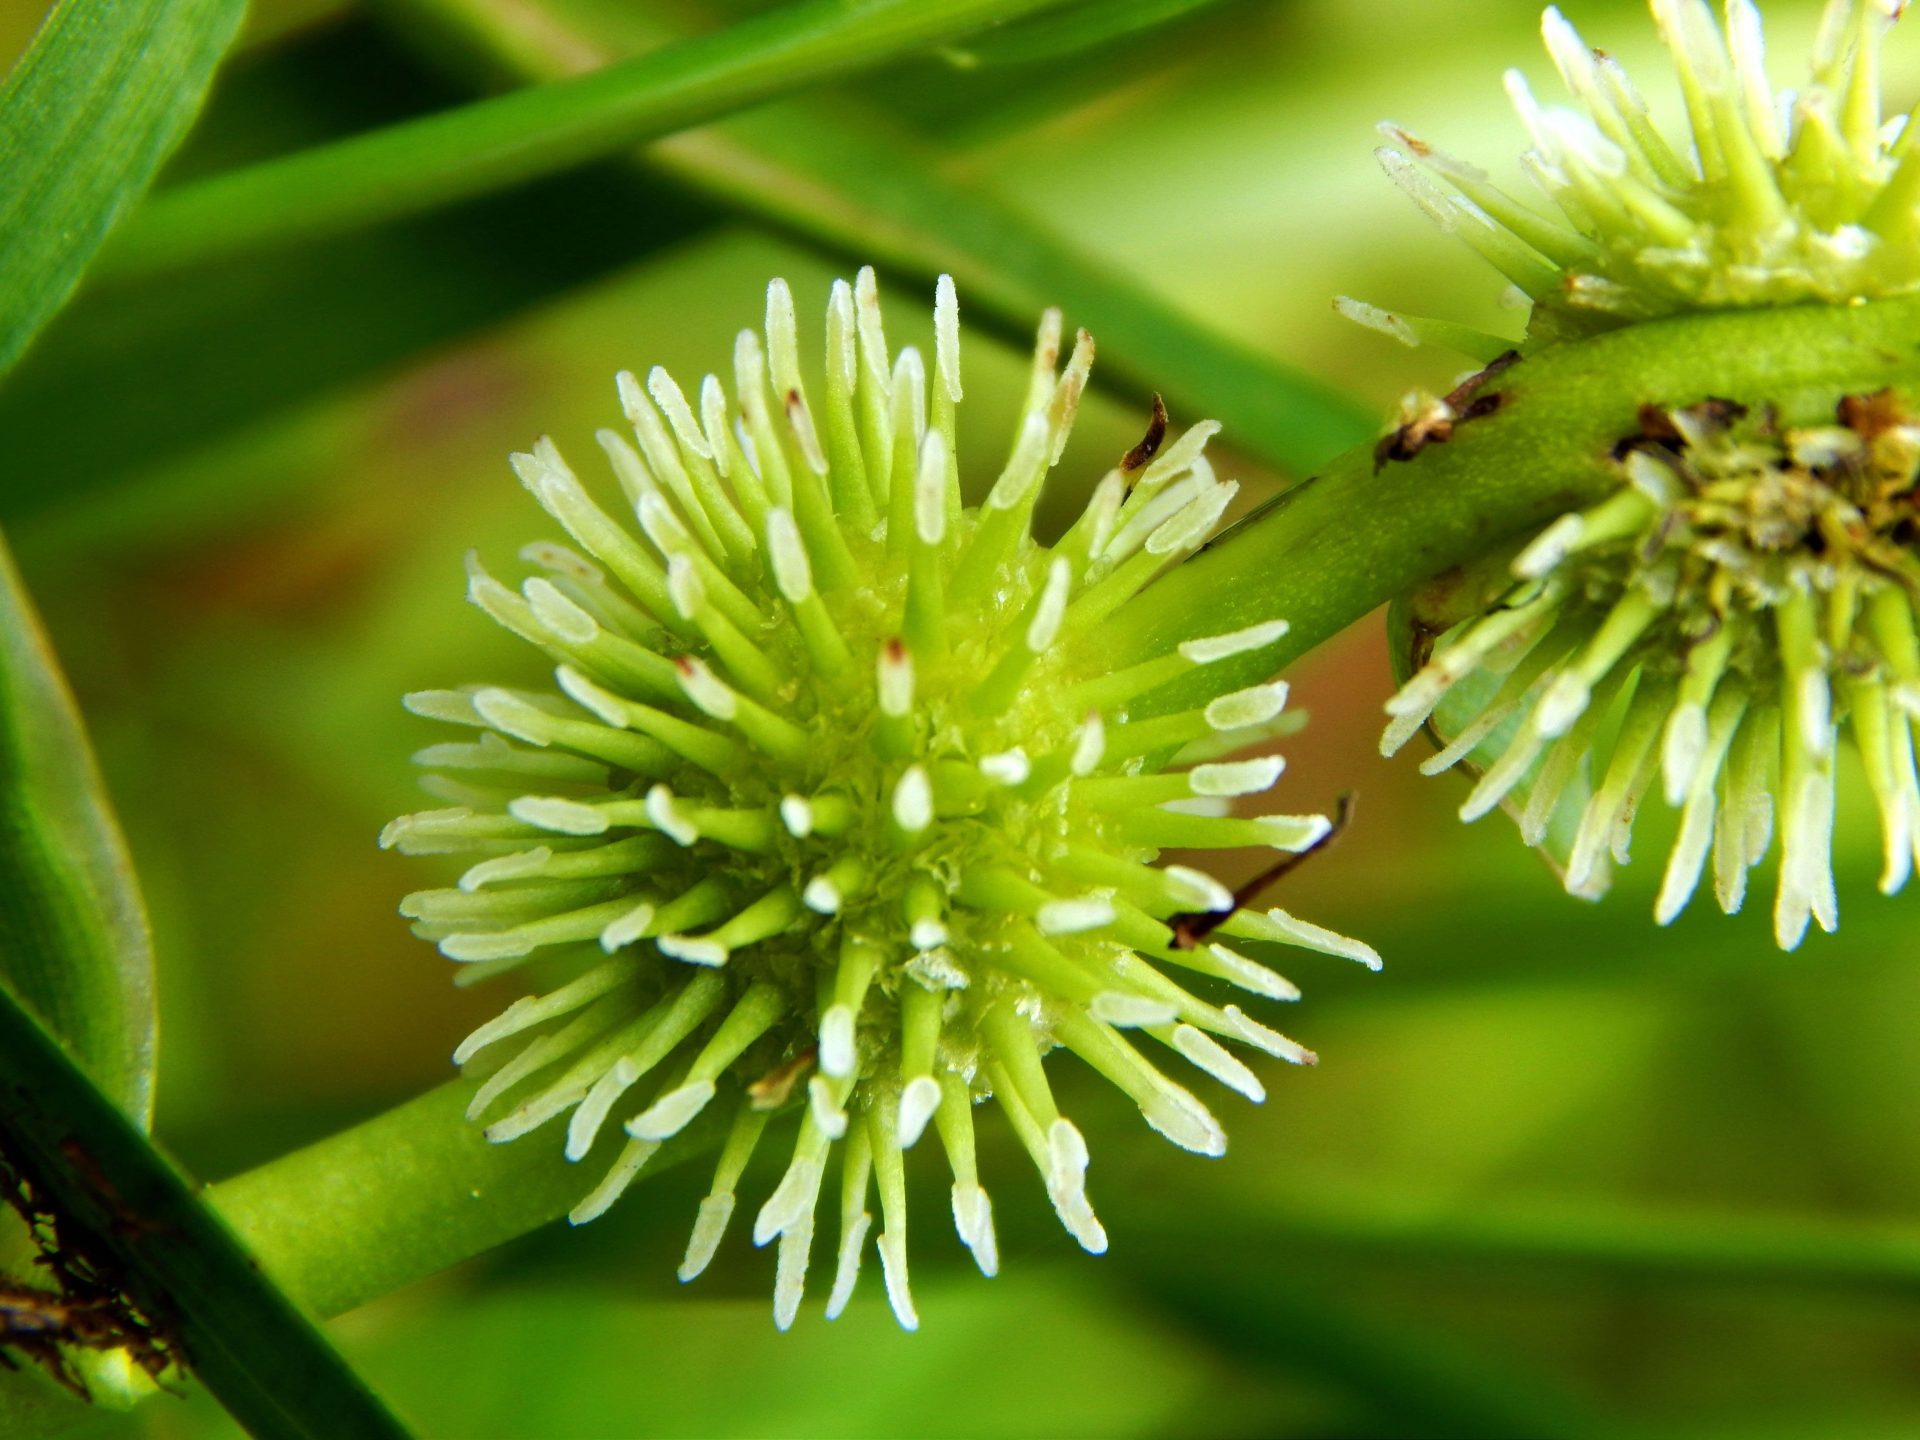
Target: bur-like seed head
[836,799]
[1770,198]
[1708,632]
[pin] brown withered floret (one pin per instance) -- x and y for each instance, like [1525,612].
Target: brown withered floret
[82,1309]
[1436,423]
[1150,443]
[776,1087]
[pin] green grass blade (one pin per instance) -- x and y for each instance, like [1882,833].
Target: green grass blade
[849,180]
[1409,1379]
[86,117]
[1085,26]
[412,167]
[73,932]
[1667,1246]
[248,1343]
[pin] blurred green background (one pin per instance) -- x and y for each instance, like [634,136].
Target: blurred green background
[1558,1172]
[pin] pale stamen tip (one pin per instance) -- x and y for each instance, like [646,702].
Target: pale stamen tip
[919,1099]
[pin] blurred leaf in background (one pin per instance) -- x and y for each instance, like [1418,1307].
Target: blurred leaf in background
[248,494]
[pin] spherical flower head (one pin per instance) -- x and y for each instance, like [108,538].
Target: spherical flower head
[837,798]
[1743,599]
[1772,199]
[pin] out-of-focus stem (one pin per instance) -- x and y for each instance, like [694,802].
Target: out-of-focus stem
[411,167]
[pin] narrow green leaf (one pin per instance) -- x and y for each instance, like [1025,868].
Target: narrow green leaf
[409,168]
[1087,25]
[1668,1246]
[99,100]
[73,933]
[248,1343]
[1412,1379]
[850,180]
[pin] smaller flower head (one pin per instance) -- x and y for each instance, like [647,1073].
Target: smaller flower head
[1743,598]
[1773,199]
[836,795]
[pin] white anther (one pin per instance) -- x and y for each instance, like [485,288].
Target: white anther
[796,813]
[1073,917]
[1237,777]
[847,1272]
[946,336]
[913,801]
[1199,890]
[1052,608]
[1009,767]
[836,1041]
[1067,1186]
[716,419]
[824,1109]
[672,1112]
[821,896]
[894,676]
[893,1267]
[672,401]
[707,690]
[930,490]
[1206,1052]
[563,817]
[663,527]
[973,1220]
[505,945]
[694,950]
[517,866]
[665,814]
[606,705]
[788,556]
[1271,1041]
[560,614]
[1242,708]
[1130,1012]
[627,928]
[1251,975]
[1089,744]
[791,1201]
[1209,648]
[918,1101]
[708,1228]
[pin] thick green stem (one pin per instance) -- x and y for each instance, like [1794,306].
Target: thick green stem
[411,1192]
[413,167]
[1330,550]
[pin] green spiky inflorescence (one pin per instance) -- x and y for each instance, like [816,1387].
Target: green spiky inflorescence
[836,796]
[1778,199]
[1747,594]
